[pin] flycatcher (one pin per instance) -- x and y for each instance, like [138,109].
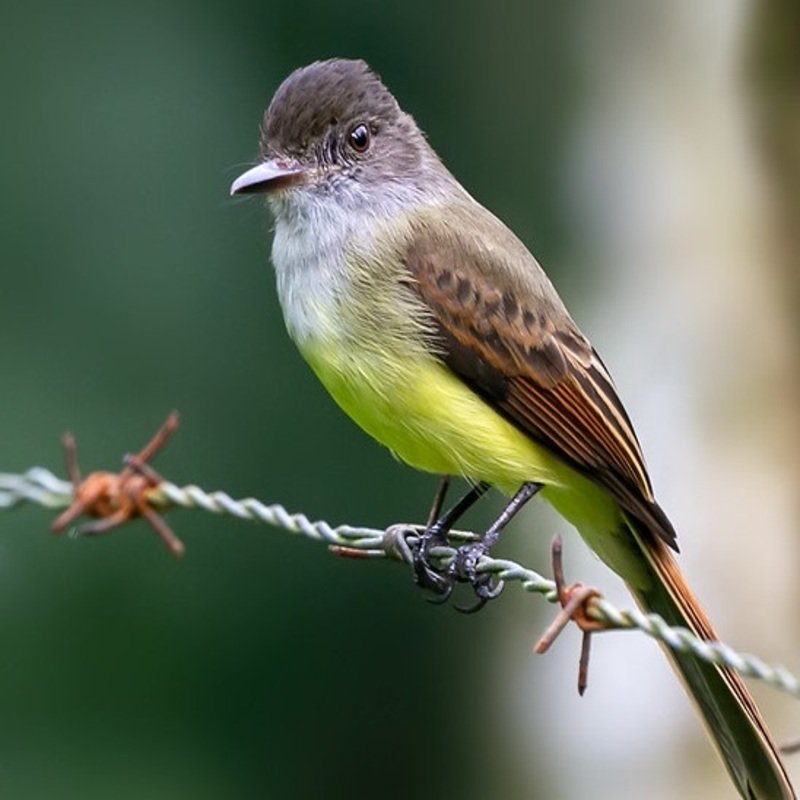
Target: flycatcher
[435,329]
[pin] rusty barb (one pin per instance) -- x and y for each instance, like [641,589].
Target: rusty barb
[577,605]
[115,498]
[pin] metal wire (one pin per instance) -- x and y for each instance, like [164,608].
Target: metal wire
[41,487]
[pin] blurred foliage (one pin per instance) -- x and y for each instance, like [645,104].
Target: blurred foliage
[132,284]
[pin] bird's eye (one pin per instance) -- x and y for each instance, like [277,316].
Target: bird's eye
[359,138]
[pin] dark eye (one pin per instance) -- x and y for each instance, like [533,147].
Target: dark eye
[359,138]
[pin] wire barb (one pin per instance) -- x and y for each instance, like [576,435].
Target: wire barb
[118,498]
[575,603]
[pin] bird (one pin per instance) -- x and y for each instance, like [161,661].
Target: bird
[437,331]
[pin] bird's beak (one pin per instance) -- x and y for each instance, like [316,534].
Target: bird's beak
[277,173]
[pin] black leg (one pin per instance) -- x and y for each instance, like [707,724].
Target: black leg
[526,492]
[442,526]
[438,500]
[435,535]
[466,563]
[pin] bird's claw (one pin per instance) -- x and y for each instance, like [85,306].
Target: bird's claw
[466,562]
[440,584]
[485,590]
[463,569]
[418,550]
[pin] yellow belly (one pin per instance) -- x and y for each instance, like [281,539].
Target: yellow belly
[432,421]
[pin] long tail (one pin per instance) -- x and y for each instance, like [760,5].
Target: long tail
[731,716]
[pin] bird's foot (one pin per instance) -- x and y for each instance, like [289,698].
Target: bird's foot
[465,566]
[441,580]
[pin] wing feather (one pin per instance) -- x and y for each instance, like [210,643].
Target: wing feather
[534,366]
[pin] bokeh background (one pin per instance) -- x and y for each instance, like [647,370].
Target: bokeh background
[649,156]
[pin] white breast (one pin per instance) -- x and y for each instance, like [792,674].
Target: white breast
[308,255]
[314,234]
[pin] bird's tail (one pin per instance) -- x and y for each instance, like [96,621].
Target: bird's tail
[732,719]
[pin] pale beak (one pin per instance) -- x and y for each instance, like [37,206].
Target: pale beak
[276,173]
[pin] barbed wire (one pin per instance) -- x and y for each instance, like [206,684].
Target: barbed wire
[40,487]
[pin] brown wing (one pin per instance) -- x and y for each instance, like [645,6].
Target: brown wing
[527,358]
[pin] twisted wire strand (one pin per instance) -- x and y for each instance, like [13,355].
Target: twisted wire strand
[41,487]
[37,485]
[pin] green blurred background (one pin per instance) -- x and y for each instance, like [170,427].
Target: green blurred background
[132,284]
